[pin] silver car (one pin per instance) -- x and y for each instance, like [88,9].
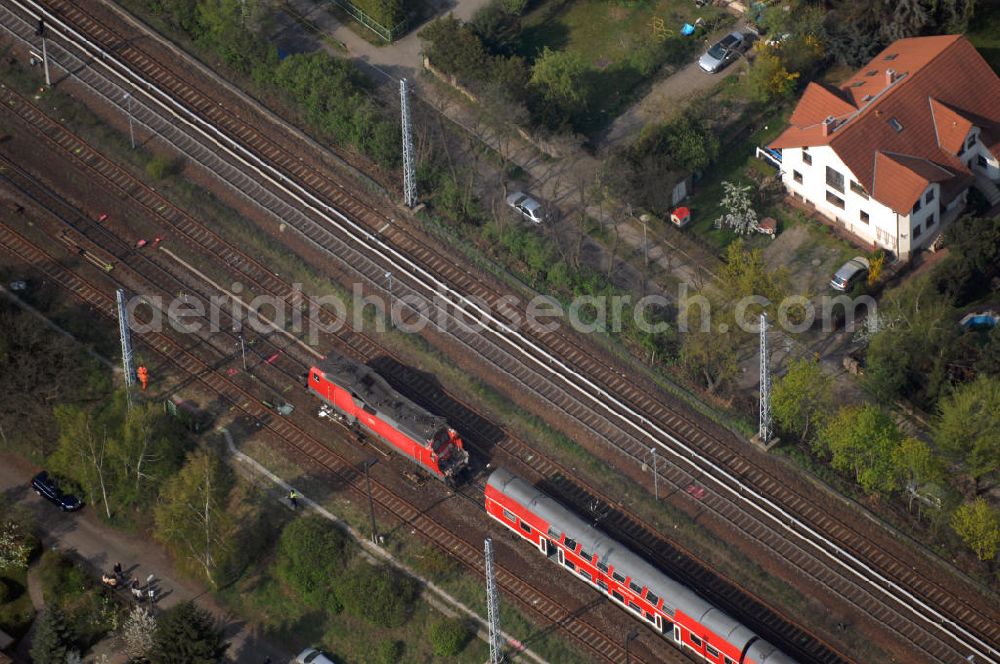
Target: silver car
[529,208]
[722,52]
[313,656]
[849,273]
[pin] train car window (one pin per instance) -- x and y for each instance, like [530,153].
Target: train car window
[651,597]
[571,544]
[602,567]
[602,585]
[650,617]
[554,534]
[618,577]
[586,556]
[509,516]
[711,651]
[694,639]
[668,628]
[525,527]
[316,377]
[635,607]
[569,564]
[618,596]
[584,574]
[729,660]
[368,409]
[636,588]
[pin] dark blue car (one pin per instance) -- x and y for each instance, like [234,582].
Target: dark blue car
[47,488]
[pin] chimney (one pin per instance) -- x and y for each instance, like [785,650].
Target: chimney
[828,125]
[890,77]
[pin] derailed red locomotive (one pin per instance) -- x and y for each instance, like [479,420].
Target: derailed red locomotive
[361,396]
[672,609]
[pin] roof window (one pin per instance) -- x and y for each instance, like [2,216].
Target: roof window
[895,124]
[891,56]
[871,72]
[857,84]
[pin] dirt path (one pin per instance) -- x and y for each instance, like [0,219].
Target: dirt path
[101,547]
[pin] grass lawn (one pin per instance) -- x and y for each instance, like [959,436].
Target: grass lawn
[984,33]
[617,41]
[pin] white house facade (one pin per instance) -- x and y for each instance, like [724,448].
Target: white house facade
[890,155]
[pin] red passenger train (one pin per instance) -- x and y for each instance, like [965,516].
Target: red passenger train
[672,609]
[360,395]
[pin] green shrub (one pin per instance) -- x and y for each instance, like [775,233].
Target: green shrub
[388,651]
[312,554]
[160,167]
[380,595]
[449,636]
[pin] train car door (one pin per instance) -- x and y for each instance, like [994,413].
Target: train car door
[543,544]
[677,634]
[561,556]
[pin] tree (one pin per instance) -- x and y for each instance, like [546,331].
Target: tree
[52,642]
[916,462]
[82,452]
[740,215]
[455,49]
[801,397]
[744,273]
[497,28]
[968,427]
[690,142]
[191,518]
[560,79]
[187,634]
[448,636]
[311,555]
[15,545]
[769,79]
[378,594]
[979,527]
[711,354]
[137,633]
[864,440]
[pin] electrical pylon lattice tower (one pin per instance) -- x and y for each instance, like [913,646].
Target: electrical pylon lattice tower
[493,607]
[409,174]
[765,384]
[125,333]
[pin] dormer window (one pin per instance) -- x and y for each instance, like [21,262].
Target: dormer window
[896,124]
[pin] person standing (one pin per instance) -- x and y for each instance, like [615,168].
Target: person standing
[293,498]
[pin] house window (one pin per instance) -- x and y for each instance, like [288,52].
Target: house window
[797,176]
[981,160]
[929,197]
[859,190]
[969,143]
[863,216]
[834,200]
[916,206]
[917,230]
[835,179]
[931,220]
[961,150]
[807,158]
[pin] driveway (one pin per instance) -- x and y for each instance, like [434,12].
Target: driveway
[102,546]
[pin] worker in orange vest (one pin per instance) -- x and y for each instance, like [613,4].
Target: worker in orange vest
[143,377]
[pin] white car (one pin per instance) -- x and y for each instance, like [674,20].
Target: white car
[313,656]
[529,208]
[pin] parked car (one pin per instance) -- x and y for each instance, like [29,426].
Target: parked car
[849,274]
[722,52]
[529,208]
[313,656]
[46,487]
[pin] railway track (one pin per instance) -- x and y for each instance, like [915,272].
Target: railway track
[314,453]
[928,614]
[629,528]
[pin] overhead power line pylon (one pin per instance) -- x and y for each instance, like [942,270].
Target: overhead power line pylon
[125,332]
[409,168]
[765,385]
[493,607]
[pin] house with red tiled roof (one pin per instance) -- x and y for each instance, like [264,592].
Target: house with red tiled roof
[890,154]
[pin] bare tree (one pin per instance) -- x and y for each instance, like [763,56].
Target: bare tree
[137,633]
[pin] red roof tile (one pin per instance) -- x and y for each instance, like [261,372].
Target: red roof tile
[940,83]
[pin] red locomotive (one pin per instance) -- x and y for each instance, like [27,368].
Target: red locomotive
[672,609]
[358,394]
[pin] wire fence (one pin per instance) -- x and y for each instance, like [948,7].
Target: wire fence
[388,34]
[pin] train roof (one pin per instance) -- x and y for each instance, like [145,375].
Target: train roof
[676,596]
[390,405]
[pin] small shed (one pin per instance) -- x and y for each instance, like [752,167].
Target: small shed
[680,217]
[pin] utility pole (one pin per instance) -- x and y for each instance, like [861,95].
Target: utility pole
[126,339]
[656,482]
[371,503]
[628,637]
[45,53]
[409,169]
[493,606]
[131,129]
[243,349]
[765,385]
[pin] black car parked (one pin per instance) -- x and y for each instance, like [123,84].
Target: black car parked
[47,488]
